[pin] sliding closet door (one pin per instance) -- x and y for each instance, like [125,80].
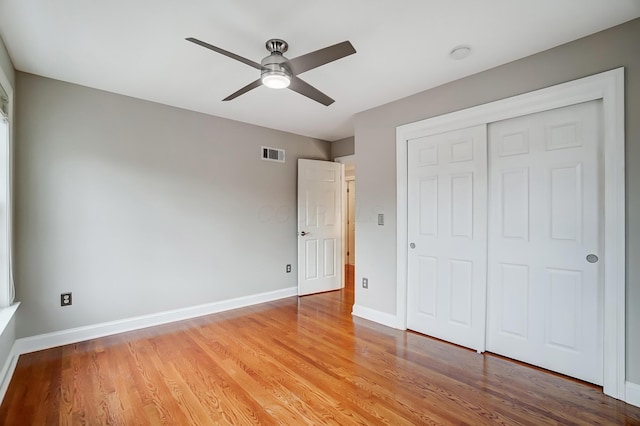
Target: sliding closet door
[447,193]
[545,287]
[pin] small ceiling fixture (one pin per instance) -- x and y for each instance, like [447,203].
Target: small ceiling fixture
[460,52]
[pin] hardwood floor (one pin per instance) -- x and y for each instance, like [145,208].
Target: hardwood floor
[293,361]
[349,275]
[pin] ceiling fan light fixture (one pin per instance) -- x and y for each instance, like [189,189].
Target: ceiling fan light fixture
[275,79]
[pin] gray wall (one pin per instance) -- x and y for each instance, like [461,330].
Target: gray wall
[375,145]
[138,207]
[343,147]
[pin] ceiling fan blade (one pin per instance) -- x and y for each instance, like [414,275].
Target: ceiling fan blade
[244,90]
[225,52]
[320,57]
[304,88]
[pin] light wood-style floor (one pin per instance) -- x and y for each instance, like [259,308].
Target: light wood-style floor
[294,361]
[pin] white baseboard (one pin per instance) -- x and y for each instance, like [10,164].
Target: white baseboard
[79,334]
[7,371]
[376,316]
[632,393]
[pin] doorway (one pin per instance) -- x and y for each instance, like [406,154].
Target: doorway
[349,225]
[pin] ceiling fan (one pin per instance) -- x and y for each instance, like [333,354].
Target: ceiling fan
[278,72]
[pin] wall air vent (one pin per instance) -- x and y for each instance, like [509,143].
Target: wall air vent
[272,154]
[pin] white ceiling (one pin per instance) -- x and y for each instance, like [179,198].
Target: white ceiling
[137,48]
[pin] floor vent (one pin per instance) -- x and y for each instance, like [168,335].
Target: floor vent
[273,154]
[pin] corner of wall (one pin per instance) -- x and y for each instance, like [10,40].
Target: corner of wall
[377,316]
[343,147]
[632,393]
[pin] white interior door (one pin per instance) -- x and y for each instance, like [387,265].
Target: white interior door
[544,295]
[447,207]
[319,226]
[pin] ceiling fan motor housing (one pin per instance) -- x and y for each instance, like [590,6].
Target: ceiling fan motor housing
[275,72]
[276,62]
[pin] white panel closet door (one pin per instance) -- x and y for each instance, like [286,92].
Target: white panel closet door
[447,189]
[545,210]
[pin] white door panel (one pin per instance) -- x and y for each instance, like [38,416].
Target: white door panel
[319,226]
[544,298]
[447,229]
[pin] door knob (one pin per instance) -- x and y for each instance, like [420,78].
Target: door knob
[592,258]
[412,245]
[303,233]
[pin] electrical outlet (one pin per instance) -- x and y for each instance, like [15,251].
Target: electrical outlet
[65,299]
[365,283]
[288,268]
